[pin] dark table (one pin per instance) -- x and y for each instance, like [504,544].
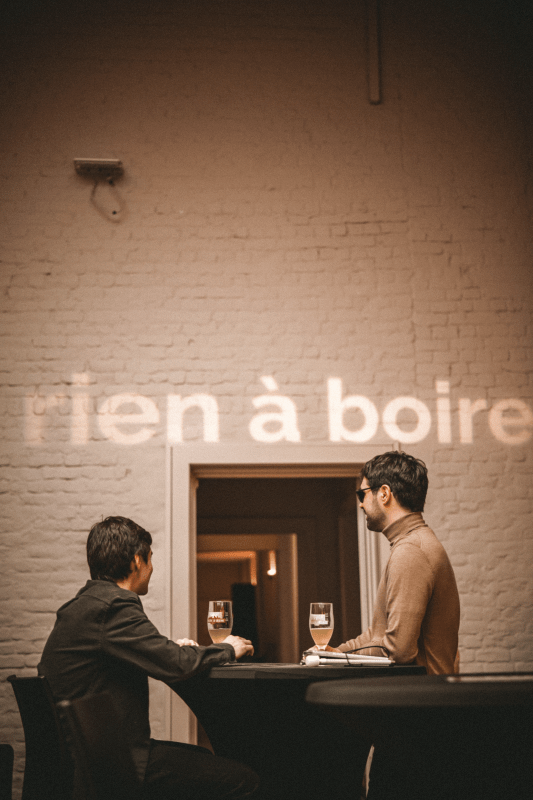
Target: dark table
[257,714]
[467,737]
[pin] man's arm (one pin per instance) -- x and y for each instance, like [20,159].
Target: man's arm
[403,594]
[242,647]
[128,635]
[367,643]
[409,587]
[363,640]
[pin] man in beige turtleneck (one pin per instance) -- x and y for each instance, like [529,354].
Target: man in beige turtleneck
[416,614]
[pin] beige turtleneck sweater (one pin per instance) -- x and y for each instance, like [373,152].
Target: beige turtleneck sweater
[416,614]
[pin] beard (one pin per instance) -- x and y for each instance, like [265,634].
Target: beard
[375,520]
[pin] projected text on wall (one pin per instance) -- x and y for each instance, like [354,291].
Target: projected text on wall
[131,419]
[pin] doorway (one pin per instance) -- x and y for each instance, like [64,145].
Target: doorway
[189,465]
[247,525]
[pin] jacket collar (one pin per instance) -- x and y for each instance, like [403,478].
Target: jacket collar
[106,589]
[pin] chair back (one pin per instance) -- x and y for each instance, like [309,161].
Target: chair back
[103,759]
[48,771]
[6,771]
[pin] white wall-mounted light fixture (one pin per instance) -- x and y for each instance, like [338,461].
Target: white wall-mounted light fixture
[272,566]
[103,169]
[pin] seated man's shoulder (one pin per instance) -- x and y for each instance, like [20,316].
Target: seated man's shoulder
[107,593]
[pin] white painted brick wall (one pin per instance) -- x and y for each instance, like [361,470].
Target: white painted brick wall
[276,224]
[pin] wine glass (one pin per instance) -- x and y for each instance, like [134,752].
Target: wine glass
[219,620]
[321,623]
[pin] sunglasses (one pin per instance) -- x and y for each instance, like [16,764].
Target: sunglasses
[361,493]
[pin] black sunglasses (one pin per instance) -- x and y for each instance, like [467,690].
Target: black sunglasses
[361,493]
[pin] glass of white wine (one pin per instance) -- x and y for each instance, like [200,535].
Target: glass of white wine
[321,623]
[219,620]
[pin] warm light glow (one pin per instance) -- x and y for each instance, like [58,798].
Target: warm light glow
[272,568]
[233,555]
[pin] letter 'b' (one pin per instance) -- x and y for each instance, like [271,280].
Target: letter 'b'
[336,408]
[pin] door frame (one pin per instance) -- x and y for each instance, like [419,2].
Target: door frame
[186,464]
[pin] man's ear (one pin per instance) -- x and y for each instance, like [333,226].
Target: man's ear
[385,494]
[136,563]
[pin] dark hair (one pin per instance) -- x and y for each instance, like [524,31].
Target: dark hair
[406,476]
[112,545]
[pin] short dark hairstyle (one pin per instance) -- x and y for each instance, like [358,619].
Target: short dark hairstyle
[406,475]
[112,545]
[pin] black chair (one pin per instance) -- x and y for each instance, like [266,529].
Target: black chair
[6,771]
[103,760]
[48,771]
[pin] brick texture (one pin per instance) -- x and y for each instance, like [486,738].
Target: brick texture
[275,224]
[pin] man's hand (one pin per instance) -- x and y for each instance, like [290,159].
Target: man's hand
[242,647]
[183,642]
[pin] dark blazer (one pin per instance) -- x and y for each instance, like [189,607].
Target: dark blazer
[104,642]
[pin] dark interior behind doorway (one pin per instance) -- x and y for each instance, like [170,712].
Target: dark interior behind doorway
[322,512]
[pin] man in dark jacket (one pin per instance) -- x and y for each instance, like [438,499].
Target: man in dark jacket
[104,642]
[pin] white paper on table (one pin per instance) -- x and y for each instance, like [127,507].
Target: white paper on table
[338,659]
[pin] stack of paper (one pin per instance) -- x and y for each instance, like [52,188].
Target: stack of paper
[338,659]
